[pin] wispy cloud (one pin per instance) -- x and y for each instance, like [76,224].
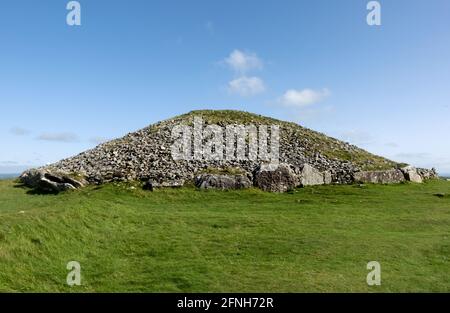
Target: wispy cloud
[243,62]
[98,140]
[302,98]
[391,145]
[413,155]
[246,86]
[356,137]
[58,137]
[19,131]
[8,162]
[425,159]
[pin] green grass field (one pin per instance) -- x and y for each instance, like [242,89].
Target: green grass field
[187,240]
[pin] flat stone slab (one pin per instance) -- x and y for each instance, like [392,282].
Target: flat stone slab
[393,176]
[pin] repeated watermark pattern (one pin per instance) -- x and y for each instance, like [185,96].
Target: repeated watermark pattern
[374,16]
[74,276]
[374,276]
[73,18]
[242,142]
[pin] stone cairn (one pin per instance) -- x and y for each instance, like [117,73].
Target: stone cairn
[145,155]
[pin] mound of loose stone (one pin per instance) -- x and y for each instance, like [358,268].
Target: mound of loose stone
[306,157]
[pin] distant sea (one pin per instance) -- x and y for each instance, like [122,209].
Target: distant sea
[8,176]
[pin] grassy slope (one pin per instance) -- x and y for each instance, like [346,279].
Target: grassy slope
[315,239]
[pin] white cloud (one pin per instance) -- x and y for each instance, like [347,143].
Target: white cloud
[302,98]
[243,62]
[246,86]
[59,137]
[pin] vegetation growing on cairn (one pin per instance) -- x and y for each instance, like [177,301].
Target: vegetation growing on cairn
[321,143]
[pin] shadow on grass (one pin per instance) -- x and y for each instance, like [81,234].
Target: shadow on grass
[30,191]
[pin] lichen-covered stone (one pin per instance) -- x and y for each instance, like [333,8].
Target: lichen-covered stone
[427,174]
[393,176]
[280,179]
[309,176]
[50,181]
[411,174]
[221,181]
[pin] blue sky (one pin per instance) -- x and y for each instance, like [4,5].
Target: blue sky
[131,63]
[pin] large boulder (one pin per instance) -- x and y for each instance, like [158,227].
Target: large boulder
[50,181]
[31,177]
[411,174]
[273,178]
[427,174]
[393,176]
[309,176]
[222,181]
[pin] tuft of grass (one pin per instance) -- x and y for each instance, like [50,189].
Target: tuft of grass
[182,240]
[225,117]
